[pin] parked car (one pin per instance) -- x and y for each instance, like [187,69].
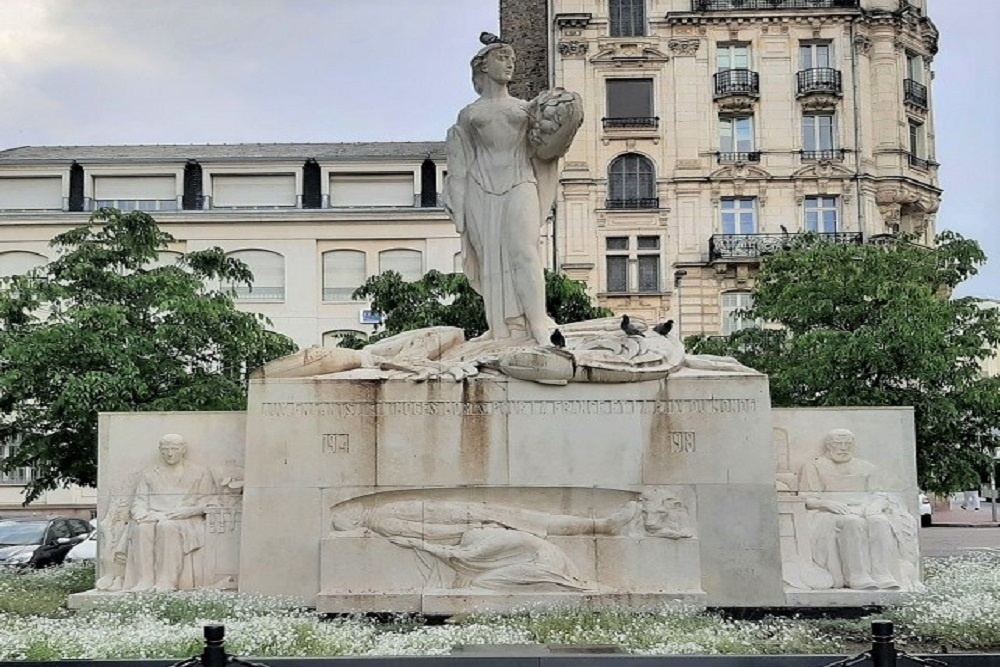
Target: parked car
[926,511]
[39,542]
[84,550]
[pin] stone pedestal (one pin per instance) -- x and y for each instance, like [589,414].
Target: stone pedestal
[385,495]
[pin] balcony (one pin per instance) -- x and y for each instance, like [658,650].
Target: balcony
[755,246]
[739,157]
[634,122]
[919,162]
[829,154]
[638,203]
[823,80]
[769,5]
[915,93]
[736,82]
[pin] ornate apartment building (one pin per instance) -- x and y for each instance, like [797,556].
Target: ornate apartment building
[715,128]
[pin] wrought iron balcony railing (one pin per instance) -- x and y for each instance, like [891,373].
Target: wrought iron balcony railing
[745,156]
[766,5]
[833,154]
[818,80]
[634,203]
[751,246]
[919,162]
[645,122]
[915,93]
[736,82]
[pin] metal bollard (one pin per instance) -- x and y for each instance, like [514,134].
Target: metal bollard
[214,653]
[883,647]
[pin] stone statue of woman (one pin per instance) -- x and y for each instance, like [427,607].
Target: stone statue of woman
[501,186]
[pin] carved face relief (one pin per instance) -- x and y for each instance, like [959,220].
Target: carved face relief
[172,451]
[499,64]
[840,447]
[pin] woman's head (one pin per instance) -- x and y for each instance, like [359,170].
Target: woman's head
[494,61]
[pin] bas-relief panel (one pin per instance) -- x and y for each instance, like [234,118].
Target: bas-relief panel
[846,522]
[508,539]
[169,513]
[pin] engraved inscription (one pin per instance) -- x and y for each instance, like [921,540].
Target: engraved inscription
[682,442]
[336,443]
[346,409]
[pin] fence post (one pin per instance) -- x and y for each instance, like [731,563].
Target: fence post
[214,653]
[883,647]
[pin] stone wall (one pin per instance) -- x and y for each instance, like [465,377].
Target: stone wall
[524,23]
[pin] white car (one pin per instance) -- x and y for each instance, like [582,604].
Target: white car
[926,511]
[85,550]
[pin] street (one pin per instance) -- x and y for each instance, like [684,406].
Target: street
[942,541]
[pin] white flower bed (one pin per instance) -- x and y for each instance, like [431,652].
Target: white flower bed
[961,609]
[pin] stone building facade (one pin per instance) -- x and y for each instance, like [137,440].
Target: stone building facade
[716,127]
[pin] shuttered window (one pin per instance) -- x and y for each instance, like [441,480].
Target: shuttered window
[253,191]
[343,272]
[31,194]
[371,190]
[18,262]
[408,263]
[268,270]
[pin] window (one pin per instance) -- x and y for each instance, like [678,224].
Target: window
[25,194]
[736,134]
[915,67]
[343,272]
[617,263]
[822,215]
[136,193]
[648,248]
[631,182]
[263,191]
[619,256]
[17,262]
[732,304]
[268,270]
[917,147]
[815,55]
[627,17]
[629,100]
[350,190]
[407,263]
[732,56]
[18,476]
[165,258]
[818,136]
[739,215]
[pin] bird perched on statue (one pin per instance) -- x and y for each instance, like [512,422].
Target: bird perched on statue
[557,339]
[663,328]
[489,38]
[630,329]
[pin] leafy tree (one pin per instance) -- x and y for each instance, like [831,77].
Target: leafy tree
[447,299]
[873,325]
[102,329]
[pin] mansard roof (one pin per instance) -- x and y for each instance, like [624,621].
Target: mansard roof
[374,150]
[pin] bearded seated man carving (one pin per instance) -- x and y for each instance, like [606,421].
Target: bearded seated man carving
[167,529]
[863,539]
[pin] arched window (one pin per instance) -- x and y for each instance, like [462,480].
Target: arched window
[268,270]
[343,272]
[17,262]
[632,182]
[165,258]
[627,17]
[334,338]
[732,303]
[408,263]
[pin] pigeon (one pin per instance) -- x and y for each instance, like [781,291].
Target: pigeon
[489,38]
[557,339]
[630,329]
[663,328]
[784,230]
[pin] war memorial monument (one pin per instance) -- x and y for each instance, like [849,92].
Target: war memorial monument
[600,466]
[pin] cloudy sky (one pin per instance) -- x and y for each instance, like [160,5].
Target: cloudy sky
[76,72]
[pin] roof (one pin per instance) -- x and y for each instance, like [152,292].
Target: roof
[374,150]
